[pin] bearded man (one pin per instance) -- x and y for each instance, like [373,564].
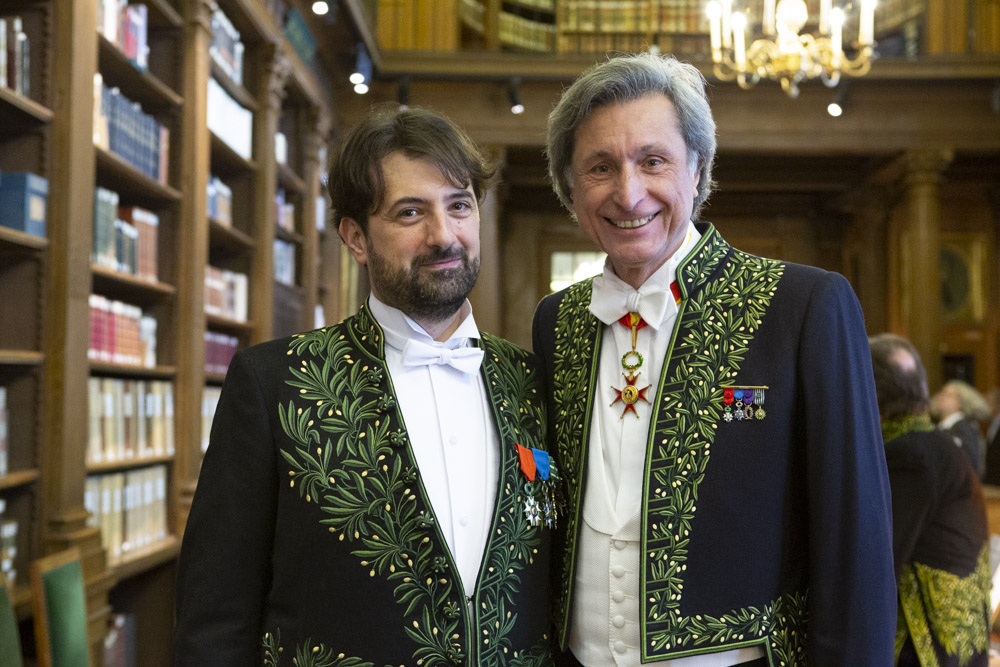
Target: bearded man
[377,491]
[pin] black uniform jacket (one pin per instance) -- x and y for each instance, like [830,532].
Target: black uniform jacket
[311,539]
[942,555]
[773,528]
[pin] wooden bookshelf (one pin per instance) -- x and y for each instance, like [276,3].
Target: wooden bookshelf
[45,281]
[26,145]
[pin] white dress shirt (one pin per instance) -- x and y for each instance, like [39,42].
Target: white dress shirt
[452,435]
[606,608]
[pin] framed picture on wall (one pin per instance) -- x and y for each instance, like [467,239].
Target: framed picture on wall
[963,269]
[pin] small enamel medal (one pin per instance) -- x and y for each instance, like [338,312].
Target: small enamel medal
[540,473]
[631,362]
[739,403]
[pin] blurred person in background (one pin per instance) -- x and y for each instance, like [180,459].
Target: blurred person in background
[940,536]
[958,408]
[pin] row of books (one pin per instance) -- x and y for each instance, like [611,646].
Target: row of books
[220,201]
[24,200]
[130,508]
[631,16]
[284,262]
[129,419]
[226,293]
[226,48]
[209,403]
[543,5]
[8,547]
[121,333]
[525,33]
[219,351]
[284,211]
[4,431]
[122,127]
[418,24]
[125,237]
[15,56]
[126,26]
[229,121]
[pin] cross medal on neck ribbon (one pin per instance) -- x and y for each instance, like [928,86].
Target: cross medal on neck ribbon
[631,362]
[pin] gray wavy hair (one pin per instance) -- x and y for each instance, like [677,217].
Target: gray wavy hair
[624,78]
[971,401]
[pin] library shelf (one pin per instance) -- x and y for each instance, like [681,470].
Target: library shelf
[162,15]
[18,478]
[135,187]
[228,237]
[235,90]
[129,287]
[289,180]
[21,357]
[129,463]
[138,85]
[226,161]
[214,379]
[132,288]
[227,325]
[13,240]
[132,371]
[20,113]
[288,236]
[144,559]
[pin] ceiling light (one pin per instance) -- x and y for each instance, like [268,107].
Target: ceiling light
[403,93]
[320,8]
[783,50]
[514,96]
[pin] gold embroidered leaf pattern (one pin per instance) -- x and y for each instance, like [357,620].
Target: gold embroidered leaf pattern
[364,480]
[948,608]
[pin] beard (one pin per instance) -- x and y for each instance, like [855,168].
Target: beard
[434,296]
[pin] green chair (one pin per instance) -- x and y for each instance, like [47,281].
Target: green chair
[10,635]
[60,609]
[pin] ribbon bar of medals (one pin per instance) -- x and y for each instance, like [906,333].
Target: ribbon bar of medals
[743,402]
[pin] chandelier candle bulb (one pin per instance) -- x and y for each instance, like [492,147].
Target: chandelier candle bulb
[824,16]
[714,12]
[837,37]
[866,32]
[727,31]
[768,19]
[739,22]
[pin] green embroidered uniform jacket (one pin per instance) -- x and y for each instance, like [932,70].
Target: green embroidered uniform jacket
[771,531]
[311,540]
[941,552]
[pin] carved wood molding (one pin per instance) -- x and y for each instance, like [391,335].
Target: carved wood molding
[199,15]
[924,166]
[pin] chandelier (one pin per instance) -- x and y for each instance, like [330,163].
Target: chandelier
[782,53]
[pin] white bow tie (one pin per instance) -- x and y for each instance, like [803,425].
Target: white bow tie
[464,359]
[610,300]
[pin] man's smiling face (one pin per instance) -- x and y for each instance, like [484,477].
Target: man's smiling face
[633,186]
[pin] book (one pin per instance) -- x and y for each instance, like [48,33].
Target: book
[4,431]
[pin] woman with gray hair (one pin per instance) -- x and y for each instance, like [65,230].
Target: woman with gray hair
[958,408]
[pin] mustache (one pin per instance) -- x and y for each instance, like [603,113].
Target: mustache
[442,255]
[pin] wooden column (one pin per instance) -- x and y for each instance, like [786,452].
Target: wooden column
[195,160]
[865,255]
[274,72]
[315,124]
[487,297]
[67,322]
[922,233]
